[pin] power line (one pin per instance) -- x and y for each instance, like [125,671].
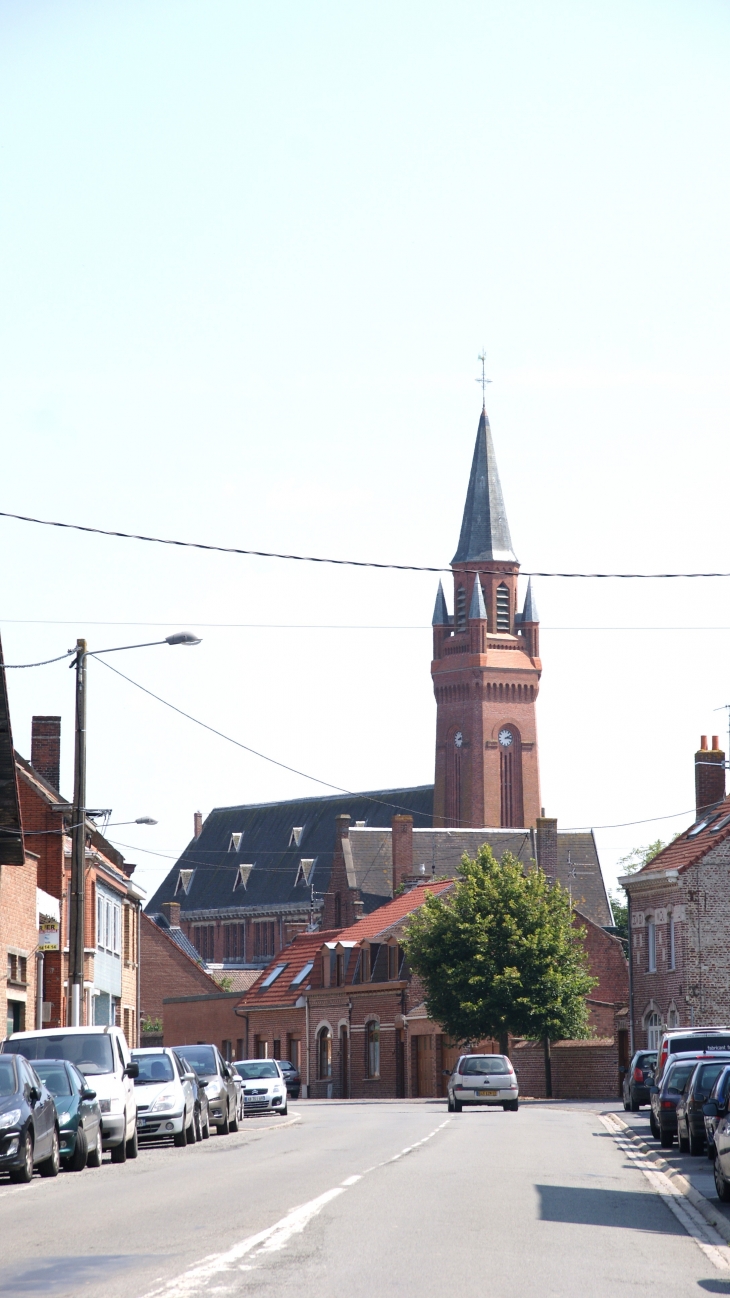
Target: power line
[9,667]
[348,563]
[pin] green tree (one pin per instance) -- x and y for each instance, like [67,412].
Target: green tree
[634,860]
[501,954]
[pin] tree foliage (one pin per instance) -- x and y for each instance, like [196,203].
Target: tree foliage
[501,954]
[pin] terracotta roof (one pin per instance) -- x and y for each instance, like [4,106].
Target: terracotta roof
[393,911]
[295,957]
[235,980]
[686,850]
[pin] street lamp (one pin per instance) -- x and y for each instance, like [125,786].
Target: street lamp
[78,831]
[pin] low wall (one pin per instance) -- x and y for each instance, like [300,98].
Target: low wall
[581,1070]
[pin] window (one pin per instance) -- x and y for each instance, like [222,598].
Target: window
[372,1040]
[302,975]
[294,1048]
[277,1048]
[226,1051]
[672,953]
[235,842]
[17,969]
[324,1053]
[264,937]
[234,941]
[651,945]
[204,940]
[673,1017]
[239,1048]
[241,879]
[116,916]
[461,608]
[653,1031]
[305,871]
[503,617]
[272,977]
[99,921]
[127,936]
[392,963]
[184,880]
[295,838]
[340,970]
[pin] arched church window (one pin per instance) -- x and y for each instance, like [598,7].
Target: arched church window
[461,609]
[503,618]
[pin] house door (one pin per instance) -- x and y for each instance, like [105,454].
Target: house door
[425,1064]
[344,1061]
[400,1064]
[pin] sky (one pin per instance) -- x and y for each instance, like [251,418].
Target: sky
[249,255]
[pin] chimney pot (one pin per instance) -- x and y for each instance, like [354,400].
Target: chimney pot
[703,743]
[401,839]
[715,743]
[709,776]
[546,842]
[197,823]
[45,748]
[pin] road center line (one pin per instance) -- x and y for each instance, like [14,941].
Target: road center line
[708,1240]
[268,1241]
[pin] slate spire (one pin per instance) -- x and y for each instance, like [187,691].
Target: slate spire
[440,614]
[477,611]
[529,612]
[484,528]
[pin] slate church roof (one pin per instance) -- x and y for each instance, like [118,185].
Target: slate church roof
[484,529]
[211,874]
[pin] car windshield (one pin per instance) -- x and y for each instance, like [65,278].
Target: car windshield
[480,1065]
[152,1068]
[91,1054]
[202,1059]
[55,1077]
[8,1084]
[255,1068]
[677,1078]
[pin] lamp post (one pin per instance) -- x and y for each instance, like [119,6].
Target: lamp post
[77,907]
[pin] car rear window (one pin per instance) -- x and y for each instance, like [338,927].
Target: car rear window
[202,1059]
[677,1077]
[481,1065]
[8,1083]
[91,1054]
[152,1068]
[707,1076]
[54,1076]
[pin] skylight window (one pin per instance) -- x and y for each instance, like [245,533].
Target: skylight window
[184,880]
[303,973]
[235,843]
[272,977]
[702,824]
[295,838]
[242,873]
[720,825]
[305,871]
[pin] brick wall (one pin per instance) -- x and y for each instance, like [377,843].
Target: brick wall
[19,936]
[580,1069]
[166,971]
[210,1019]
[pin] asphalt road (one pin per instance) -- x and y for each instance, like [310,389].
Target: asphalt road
[360,1200]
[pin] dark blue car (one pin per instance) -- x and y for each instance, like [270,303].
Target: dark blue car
[29,1134]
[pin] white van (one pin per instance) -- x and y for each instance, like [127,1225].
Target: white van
[102,1055]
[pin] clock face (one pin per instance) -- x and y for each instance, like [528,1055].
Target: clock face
[505,738]
[458,739]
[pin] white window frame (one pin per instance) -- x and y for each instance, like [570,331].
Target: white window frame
[650,946]
[653,1030]
[672,954]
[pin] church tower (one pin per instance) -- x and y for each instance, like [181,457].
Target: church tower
[486,669]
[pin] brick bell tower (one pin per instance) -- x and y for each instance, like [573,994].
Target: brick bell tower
[486,669]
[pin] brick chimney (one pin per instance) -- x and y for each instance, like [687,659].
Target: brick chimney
[45,748]
[197,824]
[709,774]
[546,841]
[402,848]
[171,911]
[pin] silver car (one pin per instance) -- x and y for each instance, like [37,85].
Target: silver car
[483,1079]
[264,1086]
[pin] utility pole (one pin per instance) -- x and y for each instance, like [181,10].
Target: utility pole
[78,847]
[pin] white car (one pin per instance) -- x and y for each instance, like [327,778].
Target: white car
[483,1079]
[166,1097]
[264,1086]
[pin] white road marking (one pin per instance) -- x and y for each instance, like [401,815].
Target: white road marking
[708,1240]
[271,1240]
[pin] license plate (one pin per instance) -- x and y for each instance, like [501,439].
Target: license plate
[486,1092]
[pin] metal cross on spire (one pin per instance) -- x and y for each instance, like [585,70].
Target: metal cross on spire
[483,380]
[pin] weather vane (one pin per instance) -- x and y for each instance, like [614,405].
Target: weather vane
[483,380]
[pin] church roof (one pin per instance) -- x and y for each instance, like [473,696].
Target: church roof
[477,611]
[529,612]
[275,838]
[440,611]
[484,528]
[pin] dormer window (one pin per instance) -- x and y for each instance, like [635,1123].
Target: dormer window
[295,838]
[305,872]
[241,879]
[184,880]
[235,843]
[461,608]
[503,619]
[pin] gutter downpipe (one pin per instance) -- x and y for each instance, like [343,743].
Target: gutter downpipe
[306,1018]
[39,991]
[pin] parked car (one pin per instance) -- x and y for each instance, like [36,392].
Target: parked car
[202,1109]
[28,1123]
[690,1115]
[665,1097]
[683,1040]
[722,1155]
[166,1095]
[223,1095]
[101,1055]
[638,1079]
[264,1086]
[79,1114]
[716,1108]
[291,1077]
[483,1079]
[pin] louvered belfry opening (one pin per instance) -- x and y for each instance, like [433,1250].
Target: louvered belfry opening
[503,619]
[510,773]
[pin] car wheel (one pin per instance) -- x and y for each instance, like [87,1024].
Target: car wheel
[24,1173]
[627,1106]
[635,1106]
[206,1129]
[197,1125]
[653,1125]
[133,1145]
[283,1112]
[458,1106]
[190,1136]
[695,1144]
[51,1165]
[223,1127]
[119,1152]
[683,1143]
[721,1185]
[666,1139]
[77,1161]
[450,1105]
[233,1122]
[180,1138]
[710,1150]
[93,1158]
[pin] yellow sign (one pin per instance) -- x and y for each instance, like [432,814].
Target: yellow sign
[48,935]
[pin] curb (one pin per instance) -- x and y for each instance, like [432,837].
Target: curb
[704,1206]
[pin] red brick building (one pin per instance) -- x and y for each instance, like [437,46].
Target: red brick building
[18,892]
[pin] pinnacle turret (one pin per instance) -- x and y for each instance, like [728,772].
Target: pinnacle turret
[484,529]
[440,612]
[529,612]
[477,610]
